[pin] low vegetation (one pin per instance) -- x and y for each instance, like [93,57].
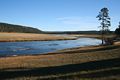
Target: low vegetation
[82,63]
[11,37]
[87,63]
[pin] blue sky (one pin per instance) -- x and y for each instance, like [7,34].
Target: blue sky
[58,15]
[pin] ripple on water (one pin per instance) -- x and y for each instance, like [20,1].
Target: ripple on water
[42,47]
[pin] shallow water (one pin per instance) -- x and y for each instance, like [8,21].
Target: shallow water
[42,47]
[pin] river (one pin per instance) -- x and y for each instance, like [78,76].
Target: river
[43,47]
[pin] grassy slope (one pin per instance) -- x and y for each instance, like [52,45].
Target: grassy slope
[98,62]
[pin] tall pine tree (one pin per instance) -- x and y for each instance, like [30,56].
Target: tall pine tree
[104,19]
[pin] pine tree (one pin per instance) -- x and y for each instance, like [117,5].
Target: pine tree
[117,31]
[105,22]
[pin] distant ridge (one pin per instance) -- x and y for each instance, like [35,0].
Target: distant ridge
[5,27]
[73,32]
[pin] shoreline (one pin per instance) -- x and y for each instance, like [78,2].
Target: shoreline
[46,53]
[24,37]
[70,50]
[21,37]
[82,61]
[71,37]
[67,50]
[64,51]
[83,49]
[36,40]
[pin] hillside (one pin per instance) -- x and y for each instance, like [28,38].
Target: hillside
[5,27]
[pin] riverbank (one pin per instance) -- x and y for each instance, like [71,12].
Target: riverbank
[42,47]
[93,62]
[14,37]
[19,37]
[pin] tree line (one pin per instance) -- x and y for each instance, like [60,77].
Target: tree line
[72,32]
[5,27]
[117,31]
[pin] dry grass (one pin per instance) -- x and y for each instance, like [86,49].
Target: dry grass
[94,63]
[100,62]
[86,35]
[72,56]
[11,37]
[91,35]
[6,37]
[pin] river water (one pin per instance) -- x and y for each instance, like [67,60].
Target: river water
[42,47]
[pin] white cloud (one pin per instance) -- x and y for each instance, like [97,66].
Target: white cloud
[69,20]
[78,20]
[83,23]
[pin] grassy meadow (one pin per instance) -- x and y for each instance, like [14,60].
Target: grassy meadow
[60,40]
[82,63]
[11,37]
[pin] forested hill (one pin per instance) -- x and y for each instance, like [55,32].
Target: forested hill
[5,27]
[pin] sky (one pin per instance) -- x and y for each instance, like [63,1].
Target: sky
[58,15]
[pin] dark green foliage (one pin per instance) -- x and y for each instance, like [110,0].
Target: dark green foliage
[72,32]
[117,31]
[104,19]
[5,27]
